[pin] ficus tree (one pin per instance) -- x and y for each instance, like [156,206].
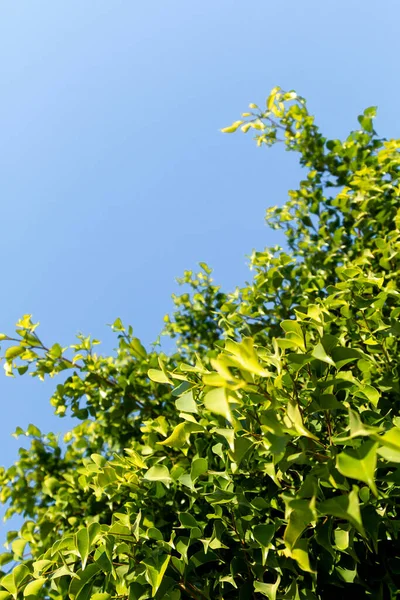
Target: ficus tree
[259,459]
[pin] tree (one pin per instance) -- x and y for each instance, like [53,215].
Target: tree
[261,458]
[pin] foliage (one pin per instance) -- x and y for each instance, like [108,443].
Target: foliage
[261,459]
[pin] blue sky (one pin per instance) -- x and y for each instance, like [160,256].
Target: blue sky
[114,176]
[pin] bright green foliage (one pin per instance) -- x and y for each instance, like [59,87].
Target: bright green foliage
[262,459]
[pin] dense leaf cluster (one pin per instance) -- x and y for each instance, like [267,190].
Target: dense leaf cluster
[261,459]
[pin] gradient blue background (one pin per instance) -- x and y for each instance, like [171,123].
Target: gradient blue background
[114,177]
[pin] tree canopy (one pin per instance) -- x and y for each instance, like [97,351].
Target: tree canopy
[261,457]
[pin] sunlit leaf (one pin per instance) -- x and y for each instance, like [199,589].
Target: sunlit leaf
[344,507]
[34,587]
[360,463]
[158,473]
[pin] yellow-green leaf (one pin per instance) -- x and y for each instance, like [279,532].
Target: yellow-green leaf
[186,403]
[199,467]
[158,473]
[267,589]
[158,376]
[344,507]
[82,544]
[390,449]
[34,587]
[293,412]
[216,401]
[18,547]
[13,352]
[180,435]
[138,348]
[232,128]
[299,519]
[136,458]
[319,353]
[360,463]
[300,554]
[9,584]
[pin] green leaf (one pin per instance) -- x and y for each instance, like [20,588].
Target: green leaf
[294,334]
[267,589]
[13,581]
[82,544]
[41,566]
[216,401]
[13,351]
[300,554]
[292,326]
[136,458]
[117,325]
[20,573]
[241,446]
[186,480]
[55,351]
[158,473]
[323,536]
[9,584]
[344,507]
[342,356]
[360,463]
[232,128]
[158,376]
[301,516]
[390,445]
[347,575]
[329,402]
[181,434]
[342,538]
[199,467]
[98,459]
[5,558]
[366,123]
[156,574]
[319,353]
[18,546]
[139,350]
[100,596]
[33,431]
[357,429]
[186,403]
[187,520]
[79,583]
[34,587]
[229,435]
[244,355]
[264,534]
[102,560]
[293,412]
[368,392]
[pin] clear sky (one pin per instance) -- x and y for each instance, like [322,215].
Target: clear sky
[114,177]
